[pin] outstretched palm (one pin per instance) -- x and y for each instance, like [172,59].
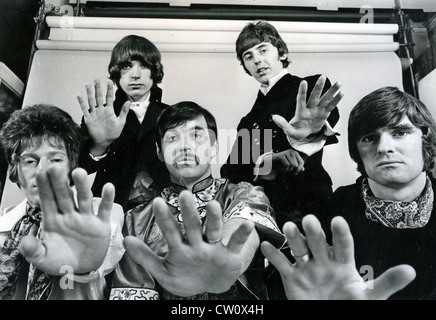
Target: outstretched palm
[70,235]
[310,117]
[329,273]
[192,265]
[104,126]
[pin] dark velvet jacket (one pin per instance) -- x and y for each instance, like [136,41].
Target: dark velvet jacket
[292,196]
[382,247]
[133,151]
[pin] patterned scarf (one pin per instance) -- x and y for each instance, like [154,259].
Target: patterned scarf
[399,214]
[12,262]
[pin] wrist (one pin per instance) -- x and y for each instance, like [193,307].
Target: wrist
[317,131]
[99,150]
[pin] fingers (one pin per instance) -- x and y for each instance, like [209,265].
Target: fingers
[391,281]
[295,163]
[62,190]
[317,91]
[277,258]
[191,219]
[83,187]
[98,93]
[167,223]
[141,254]
[282,123]
[302,94]
[328,100]
[343,244]
[110,94]
[124,110]
[91,101]
[240,236]
[46,195]
[332,97]
[315,237]
[214,222]
[287,128]
[32,249]
[295,239]
[96,98]
[83,106]
[107,201]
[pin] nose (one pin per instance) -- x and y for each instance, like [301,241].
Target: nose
[386,143]
[135,72]
[43,164]
[186,144]
[257,58]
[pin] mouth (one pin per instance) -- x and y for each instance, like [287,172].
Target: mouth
[135,85]
[185,160]
[388,163]
[261,71]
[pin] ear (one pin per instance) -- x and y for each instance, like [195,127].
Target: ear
[214,149]
[159,153]
[284,57]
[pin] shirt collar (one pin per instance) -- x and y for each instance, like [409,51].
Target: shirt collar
[144,103]
[11,215]
[265,88]
[199,186]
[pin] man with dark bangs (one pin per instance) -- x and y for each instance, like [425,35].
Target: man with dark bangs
[392,138]
[120,148]
[286,158]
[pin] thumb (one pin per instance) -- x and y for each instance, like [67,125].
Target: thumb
[141,254]
[392,281]
[124,111]
[32,249]
[283,124]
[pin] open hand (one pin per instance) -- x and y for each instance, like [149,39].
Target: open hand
[104,126]
[70,235]
[310,117]
[325,273]
[199,262]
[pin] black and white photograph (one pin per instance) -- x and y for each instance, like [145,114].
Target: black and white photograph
[217,156]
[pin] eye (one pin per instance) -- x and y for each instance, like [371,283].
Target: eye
[198,135]
[56,160]
[264,50]
[126,65]
[400,133]
[28,162]
[368,138]
[170,138]
[248,57]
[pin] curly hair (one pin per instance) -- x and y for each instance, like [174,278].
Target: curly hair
[33,125]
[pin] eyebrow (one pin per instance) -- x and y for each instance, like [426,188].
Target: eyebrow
[403,127]
[259,46]
[196,128]
[50,153]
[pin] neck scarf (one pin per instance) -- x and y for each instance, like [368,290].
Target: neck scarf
[399,214]
[39,284]
[11,261]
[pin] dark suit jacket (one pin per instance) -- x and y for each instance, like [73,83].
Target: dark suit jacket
[133,151]
[291,196]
